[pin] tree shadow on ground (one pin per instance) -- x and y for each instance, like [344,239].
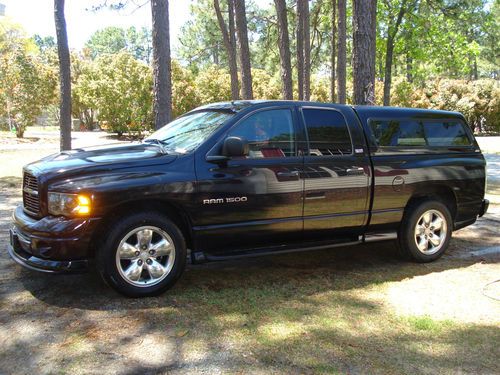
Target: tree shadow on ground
[336,269]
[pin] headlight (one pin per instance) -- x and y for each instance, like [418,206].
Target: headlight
[68,204]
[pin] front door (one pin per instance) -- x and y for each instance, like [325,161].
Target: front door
[257,200]
[336,177]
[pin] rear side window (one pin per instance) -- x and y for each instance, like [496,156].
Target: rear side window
[328,132]
[445,134]
[398,133]
[413,133]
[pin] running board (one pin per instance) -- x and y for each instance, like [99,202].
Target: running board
[201,257]
[382,236]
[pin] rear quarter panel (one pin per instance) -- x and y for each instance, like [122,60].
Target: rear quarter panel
[401,174]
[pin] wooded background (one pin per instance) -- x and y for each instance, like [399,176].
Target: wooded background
[440,54]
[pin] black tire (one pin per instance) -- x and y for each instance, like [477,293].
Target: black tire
[108,263]
[409,233]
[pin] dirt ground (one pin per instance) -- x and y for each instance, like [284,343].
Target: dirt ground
[345,310]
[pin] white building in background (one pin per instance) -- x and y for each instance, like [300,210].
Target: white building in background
[2,9]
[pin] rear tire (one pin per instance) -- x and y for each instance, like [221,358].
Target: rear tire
[143,255]
[425,231]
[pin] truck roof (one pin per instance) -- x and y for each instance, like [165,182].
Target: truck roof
[364,111]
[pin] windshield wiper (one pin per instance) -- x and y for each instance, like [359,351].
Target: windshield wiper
[160,143]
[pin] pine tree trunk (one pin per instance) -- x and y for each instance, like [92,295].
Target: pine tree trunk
[64,76]
[307,51]
[284,48]
[332,46]
[162,81]
[391,38]
[244,50]
[409,68]
[388,71]
[364,38]
[230,49]
[300,50]
[341,52]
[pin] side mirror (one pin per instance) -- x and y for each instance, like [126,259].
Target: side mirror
[234,147]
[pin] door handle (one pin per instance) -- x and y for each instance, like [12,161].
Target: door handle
[315,195]
[355,171]
[292,175]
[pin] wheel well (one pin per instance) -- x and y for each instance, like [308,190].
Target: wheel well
[174,213]
[443,194]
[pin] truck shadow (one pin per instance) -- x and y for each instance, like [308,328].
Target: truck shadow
[335,269]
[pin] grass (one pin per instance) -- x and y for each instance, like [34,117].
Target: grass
[321,324]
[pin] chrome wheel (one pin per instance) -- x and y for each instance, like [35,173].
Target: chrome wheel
[430,232]
[145,256]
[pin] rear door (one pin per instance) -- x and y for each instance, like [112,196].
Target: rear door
[336,175]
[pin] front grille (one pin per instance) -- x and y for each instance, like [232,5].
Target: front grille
[31,200]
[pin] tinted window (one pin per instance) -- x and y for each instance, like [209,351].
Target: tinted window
[398,133]
[416,133]
[328,132]
[270,134]
[445,134]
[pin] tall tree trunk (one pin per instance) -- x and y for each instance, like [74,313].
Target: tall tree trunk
[303,50]
[64,76]
[162,80]
[364,38]
[388,71]
[244,50]
[391,38]
[232,35]
[332,46]
[307,51]
[300,50]
[284,47]
[230,49]
[409,67]
[474,69]
[342,52]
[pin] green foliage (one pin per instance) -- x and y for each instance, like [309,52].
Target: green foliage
[478,101]
[27,84]
[185,95]
[112,40]
[120,87]
[265,86]
[213,85]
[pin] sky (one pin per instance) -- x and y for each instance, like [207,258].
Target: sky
[37,17]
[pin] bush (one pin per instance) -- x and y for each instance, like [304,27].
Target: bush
[478,101]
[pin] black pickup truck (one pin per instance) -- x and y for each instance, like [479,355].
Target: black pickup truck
[249,178]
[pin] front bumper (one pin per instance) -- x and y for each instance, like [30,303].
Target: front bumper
[484,207]
[51,243]
[31,262]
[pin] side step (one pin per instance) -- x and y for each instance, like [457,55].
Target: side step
[202,257]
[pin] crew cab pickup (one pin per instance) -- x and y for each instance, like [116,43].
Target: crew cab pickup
[249,178]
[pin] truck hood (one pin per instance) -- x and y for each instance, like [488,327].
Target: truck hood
[98,158]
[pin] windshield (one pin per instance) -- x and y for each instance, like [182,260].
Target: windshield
[186,133]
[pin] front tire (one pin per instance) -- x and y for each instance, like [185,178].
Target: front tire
[425,231]
[143,255]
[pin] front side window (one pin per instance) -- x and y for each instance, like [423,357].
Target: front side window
[270,134]
[186,133]
[327,131]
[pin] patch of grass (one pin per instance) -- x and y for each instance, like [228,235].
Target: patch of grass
[426,323]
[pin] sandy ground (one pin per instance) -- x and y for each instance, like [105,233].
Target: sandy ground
[74,324]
